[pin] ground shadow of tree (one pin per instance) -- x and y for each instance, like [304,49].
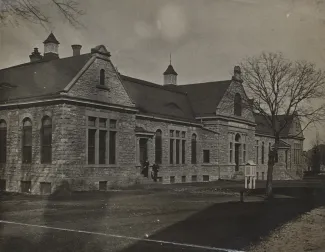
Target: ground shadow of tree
[234,225]
[63,209]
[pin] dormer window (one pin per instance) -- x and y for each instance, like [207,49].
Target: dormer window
[102,77]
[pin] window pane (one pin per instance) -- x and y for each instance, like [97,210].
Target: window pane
[102,122]
[183,152]
[193,158]
[27,136]
[177,133]
[46,148]
[91,146]
[183,134]
[92,121]
[112,147]
[102,77]
[206,156]
[3,145]
[171,151]
[171,133]
[27,154]
[177,150]
[102,147]
[112,124]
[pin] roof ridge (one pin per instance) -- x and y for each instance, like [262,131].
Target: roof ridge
[41,61]
[151,84]
[208,82]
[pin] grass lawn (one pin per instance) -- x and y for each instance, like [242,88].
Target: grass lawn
[200,214]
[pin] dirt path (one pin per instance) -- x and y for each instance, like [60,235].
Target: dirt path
[306,233]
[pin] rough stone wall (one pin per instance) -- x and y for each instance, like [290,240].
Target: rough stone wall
[226,105]
[87,86]
[68,149]
[206,140]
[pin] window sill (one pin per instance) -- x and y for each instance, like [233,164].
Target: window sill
[102,87]
[101,165]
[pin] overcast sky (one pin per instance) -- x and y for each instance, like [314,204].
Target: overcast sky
[206,38]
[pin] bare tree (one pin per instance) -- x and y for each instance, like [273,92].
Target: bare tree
[34,11]
[282,89]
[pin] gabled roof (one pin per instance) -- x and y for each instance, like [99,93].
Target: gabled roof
[154,99]
[263,127]
[205,97]
[41,77]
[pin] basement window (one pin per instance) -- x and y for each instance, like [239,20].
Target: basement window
[2,185]
[26,186]
[45,188]
[102,185]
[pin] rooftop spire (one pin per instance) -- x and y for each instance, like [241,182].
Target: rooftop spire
[170,75]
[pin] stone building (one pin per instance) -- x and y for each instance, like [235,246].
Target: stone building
[77,119]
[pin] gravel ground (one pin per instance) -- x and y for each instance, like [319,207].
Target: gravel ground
[306,233]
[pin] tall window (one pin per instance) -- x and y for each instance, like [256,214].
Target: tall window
[46,140]
[103,149]
[3,142]
[193,145]
[183,147]
[158,147]
[112,141]
[102,77]
[230,152]
[262,152]
[27,141]
[256,150]
[244,153]
[237,105]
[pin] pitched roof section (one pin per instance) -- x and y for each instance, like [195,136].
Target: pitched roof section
[154,99]
[263,127]
[51,39]
[41,77]
[170,70]
[205,97]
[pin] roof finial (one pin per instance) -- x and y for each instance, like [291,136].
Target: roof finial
[170,58]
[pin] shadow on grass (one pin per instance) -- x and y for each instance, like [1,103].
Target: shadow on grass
[63,209]
[234,225]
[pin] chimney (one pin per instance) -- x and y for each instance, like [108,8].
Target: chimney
[237,74]
[76,49]
[35,56]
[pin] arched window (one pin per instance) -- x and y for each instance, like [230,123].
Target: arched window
[3,141]
[27,141]
[193,146]
[263,152]
[237,105]
[158,147]
[46,140]
[102,77]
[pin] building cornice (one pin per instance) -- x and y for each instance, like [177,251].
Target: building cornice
[62,98]
[169,120]
[225,118]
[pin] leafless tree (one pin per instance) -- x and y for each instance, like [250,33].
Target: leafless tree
[281,88]
[35,11]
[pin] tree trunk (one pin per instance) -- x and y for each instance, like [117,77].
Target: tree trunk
[270,166]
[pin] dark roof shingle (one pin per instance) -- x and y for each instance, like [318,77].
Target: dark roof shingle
[205,97]
[41,77]
[263,127]
[155,99]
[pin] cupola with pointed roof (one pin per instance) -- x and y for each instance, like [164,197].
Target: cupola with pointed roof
[51,47]
[170,75]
